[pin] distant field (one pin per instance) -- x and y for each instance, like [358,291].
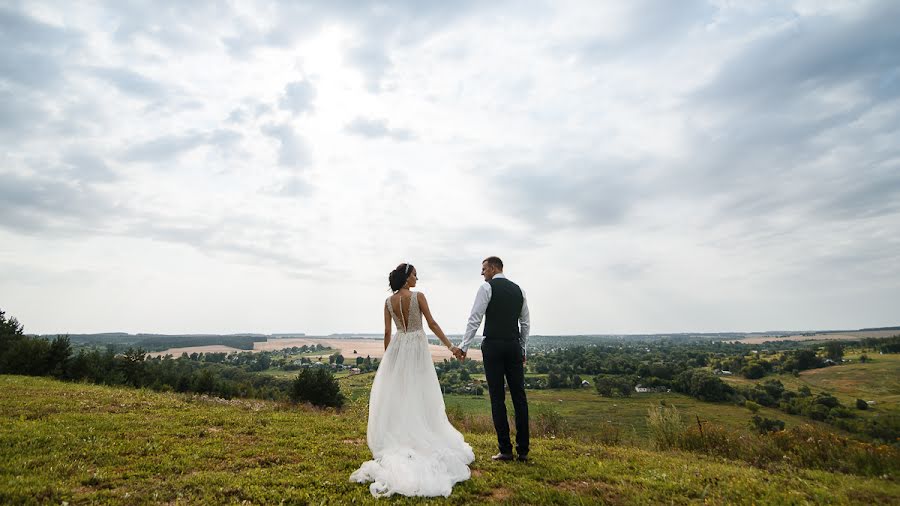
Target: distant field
[842,336]
[364,347]
[213,348]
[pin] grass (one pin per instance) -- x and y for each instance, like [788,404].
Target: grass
[94,444]
[623,418]
[878,380]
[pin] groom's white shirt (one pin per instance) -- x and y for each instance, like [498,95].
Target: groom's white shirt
[482,298]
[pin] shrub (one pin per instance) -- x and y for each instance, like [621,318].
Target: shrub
[753,370]
[804,446]
[318,387]
[665,426]
[545,421]
[765,425]
[861,404]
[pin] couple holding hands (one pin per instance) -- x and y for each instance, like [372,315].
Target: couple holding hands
[416,451]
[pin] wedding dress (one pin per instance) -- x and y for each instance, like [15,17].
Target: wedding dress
[417,452]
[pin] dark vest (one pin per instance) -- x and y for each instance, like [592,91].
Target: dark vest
[501,319]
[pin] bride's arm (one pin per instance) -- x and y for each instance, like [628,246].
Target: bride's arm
[387,327]
[433,325]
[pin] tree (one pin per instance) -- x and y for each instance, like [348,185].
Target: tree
[10,334]
[554,381]
[339,359]
[753,370]
[318,387]
[58,356]
[702,384]
[10,330]
[205,382]
[835,350]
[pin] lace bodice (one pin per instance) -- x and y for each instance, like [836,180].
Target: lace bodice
[413,320]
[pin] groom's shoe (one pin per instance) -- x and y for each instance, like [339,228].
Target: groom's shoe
[523,457]
[502,456]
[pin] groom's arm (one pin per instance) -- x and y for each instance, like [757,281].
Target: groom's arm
[524,326]
[482,298]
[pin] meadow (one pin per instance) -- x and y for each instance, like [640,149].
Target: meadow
[80,444]
[876,380]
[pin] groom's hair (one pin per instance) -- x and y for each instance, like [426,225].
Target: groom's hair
[494,262]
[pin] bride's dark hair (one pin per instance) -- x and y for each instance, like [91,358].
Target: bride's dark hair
[397,277]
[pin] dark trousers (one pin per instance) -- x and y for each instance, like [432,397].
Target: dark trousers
[503,359]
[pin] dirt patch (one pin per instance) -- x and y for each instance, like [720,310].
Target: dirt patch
[592,488]
[500,494]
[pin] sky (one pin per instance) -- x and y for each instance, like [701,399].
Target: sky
[640,166]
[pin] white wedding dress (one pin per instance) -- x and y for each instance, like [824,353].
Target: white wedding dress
[417,452]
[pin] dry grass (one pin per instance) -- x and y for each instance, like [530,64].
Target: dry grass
[363,347]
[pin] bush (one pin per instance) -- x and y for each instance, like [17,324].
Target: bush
[861,404]
[545,421]
[318,387]
[665,426]
[765,425]
[804,446]
[753,370]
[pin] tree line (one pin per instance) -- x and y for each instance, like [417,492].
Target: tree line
[217,374]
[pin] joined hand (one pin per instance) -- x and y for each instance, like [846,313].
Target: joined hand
[458,353]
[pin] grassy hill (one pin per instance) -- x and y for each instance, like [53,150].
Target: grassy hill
[877,380]
[94,444]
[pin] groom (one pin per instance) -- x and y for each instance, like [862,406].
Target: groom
[503,306]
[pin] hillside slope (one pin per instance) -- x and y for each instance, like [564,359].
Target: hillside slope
[93,444]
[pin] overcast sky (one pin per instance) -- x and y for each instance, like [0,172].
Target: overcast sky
[640,166]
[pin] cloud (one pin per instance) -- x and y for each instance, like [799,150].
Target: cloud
[567,193]
[298,97]
[32,52]
[295,187]
[378,29]
[39,205]
[293,151]
[371,58]
[377,129]
[810,55]
[87,167]
[130,82]
[20,115]
[169,147]
[642,29]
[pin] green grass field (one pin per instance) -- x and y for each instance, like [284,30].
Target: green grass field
[89,444]
[586,412]
[878,380]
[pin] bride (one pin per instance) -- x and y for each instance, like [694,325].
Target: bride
[416,451]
